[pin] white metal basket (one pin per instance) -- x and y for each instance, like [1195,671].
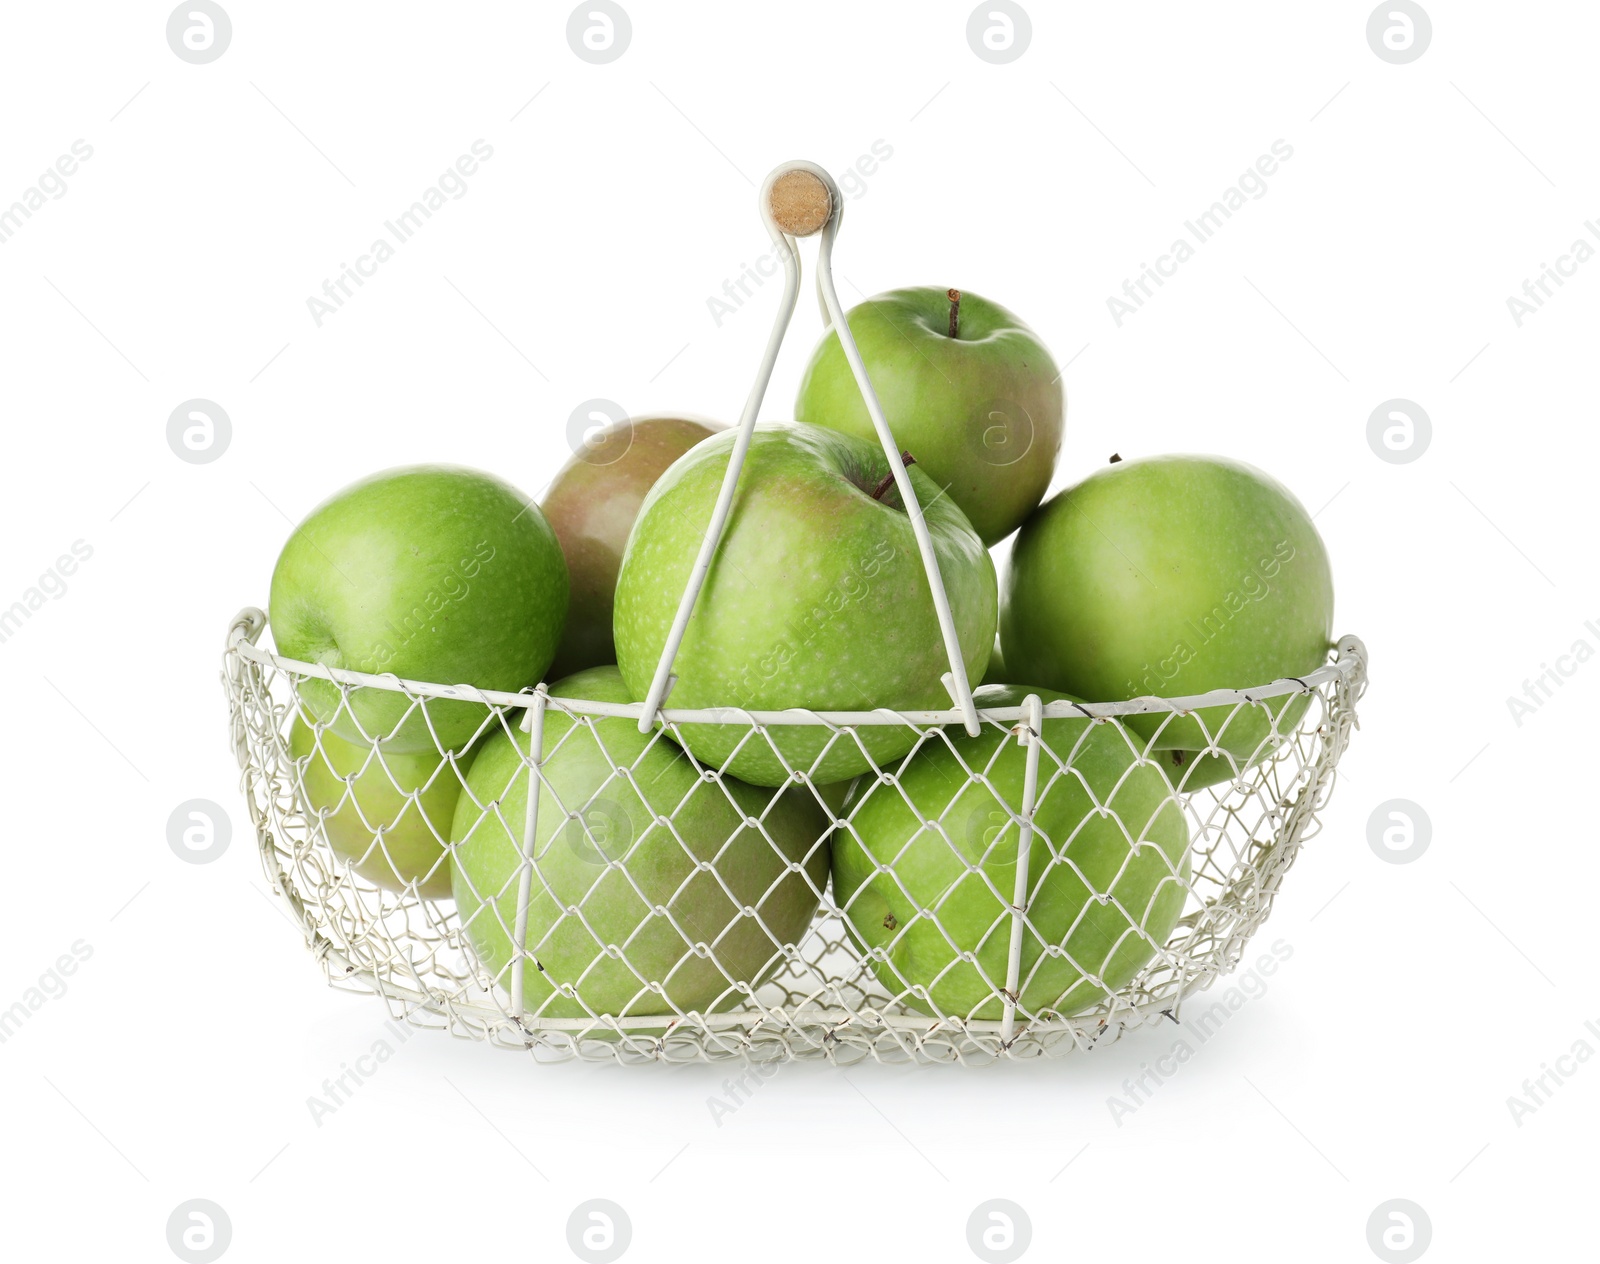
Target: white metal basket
[824,993]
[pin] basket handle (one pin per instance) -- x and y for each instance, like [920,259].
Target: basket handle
[799,199]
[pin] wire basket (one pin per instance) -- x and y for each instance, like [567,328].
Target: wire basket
[1066,880]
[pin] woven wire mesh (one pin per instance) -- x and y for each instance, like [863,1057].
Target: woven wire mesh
[707,927]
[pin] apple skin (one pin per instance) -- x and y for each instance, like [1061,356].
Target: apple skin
[936,901]
[996,672]
[1171,576]
[781,879]
[1195,770]
[834,794]
[361,792]
[591,505]
[816,598]
[982,412]
[431,572]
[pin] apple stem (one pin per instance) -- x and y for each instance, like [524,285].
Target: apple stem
[955,310]
[887,480]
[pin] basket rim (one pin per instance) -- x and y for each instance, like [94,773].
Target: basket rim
[1348,668]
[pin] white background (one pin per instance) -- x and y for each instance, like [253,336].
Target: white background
[579,263]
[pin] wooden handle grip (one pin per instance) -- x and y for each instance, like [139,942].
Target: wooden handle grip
[800,203]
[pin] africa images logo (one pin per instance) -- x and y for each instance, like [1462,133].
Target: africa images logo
[51,184]
[51,584]
[51,985]
[451,186]
[1252,185]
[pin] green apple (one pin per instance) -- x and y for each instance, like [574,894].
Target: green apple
[622,917]
[996,673]
[591,504]
[834,794]
[816,598]
[1167,577]
[967,389]
[388,814]
[926,868]
[1195,770]
[431,573]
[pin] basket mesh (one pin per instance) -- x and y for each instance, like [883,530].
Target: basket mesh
[753,988]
